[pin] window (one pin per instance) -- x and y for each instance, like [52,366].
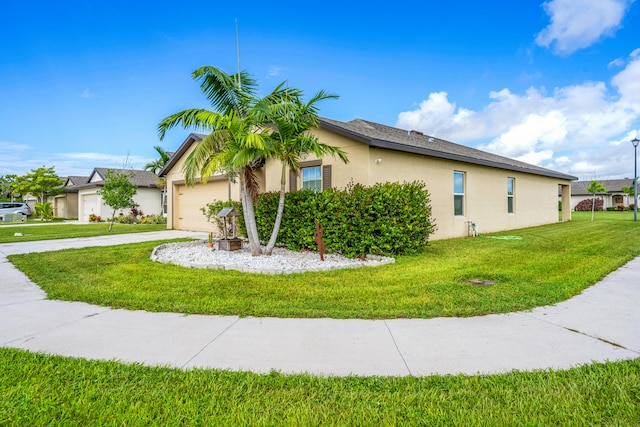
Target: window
[312,178]
[458,193]
[511,183]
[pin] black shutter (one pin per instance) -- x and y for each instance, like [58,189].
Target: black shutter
[326,177]
[293,180]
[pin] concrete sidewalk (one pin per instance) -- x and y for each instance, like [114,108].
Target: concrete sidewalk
[600,324]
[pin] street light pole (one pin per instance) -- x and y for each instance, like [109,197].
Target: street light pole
[635,142]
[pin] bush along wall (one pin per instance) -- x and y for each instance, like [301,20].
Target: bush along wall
[385,219]
[587,205]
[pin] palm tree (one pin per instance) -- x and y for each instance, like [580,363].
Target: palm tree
[630,190]
[595,187]
[237,135]
[157,165]
[291,140]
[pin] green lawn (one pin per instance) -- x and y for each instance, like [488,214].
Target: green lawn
[557,260]
[58,230]
[33,220]
[49,390]
[549,264]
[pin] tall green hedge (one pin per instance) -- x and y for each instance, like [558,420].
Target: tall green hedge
[385,219]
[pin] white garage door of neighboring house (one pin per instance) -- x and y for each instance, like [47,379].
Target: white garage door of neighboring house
[189,201]
[89,206]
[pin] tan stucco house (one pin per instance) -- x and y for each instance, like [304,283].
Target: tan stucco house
[613,197]
[148,196]
[65,204]
[466,185]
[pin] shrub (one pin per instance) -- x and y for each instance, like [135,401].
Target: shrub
[126,219]
[135,212]
[44,211]
[153,219]
[212,209]
[389,219]
[95,218]
[586,205]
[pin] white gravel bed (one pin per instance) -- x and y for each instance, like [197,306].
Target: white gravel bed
[282,261]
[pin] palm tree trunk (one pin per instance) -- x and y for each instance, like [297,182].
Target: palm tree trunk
[276,225]
[249,218]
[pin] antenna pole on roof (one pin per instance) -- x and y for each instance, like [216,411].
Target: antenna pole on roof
[238,49]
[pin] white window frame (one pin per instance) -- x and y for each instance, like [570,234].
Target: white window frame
[459,193]
[511,199]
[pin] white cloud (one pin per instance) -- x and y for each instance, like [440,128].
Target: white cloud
[20,158]
[577,24]
[536,132]
[88,161]
[87,94]
[9,147]
[274,71]
[618,62]
[572,129]
[628,84]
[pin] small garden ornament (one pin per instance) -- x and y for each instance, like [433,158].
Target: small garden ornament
[317,236]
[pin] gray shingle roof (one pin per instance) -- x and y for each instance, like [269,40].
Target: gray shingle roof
[76,180]
[73,182]
[140,178]
[381,136]
[579,188]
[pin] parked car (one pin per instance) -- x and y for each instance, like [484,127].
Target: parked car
[15,208]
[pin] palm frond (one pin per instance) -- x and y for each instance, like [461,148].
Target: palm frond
[164,156]
[207,158]
[197,118]
[225,92]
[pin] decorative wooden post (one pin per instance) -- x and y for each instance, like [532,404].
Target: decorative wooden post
[317,236]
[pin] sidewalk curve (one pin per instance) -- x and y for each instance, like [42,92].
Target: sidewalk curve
[601,324]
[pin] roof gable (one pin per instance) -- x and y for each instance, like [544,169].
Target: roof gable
[75,180]
[177,155]
[95,176]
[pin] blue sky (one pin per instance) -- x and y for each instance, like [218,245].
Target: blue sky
[556,83]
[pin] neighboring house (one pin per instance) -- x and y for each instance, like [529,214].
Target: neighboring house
[147,197]
[612,198]
[65,204]
[466,185]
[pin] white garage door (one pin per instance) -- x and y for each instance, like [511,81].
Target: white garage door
[89,206]
[189,201]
